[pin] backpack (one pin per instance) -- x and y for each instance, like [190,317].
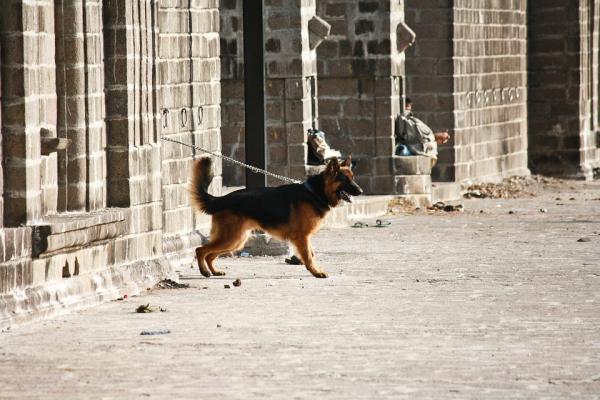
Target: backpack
[416,135]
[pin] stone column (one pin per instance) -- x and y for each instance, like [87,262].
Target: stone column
[463,75]
[1,172]
[360,85]
[563,73]
[28,105]
[189,104]
[130,30]
[72,112]
[133,153]
[291,83]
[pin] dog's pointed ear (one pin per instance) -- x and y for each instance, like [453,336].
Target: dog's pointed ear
[333,167]
[347,162]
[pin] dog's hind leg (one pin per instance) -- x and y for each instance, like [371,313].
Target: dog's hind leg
[230,234]
[306,254]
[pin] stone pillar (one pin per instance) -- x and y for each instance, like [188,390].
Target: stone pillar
[360,86]
[189,104]
[133,153]
[130,30]
[291,82]
[80,91]
[463,75]
[563,73]
[1,172]
[29,105]
[232,89]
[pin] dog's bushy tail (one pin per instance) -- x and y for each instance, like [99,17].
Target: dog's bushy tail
[202,175]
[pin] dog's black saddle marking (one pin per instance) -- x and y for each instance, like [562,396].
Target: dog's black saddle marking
[272,206]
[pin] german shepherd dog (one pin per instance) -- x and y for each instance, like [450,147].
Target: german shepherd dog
[290,212]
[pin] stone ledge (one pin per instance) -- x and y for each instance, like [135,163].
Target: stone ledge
[445,191]
[15,243]
[412,165]
[412,184]
[418,200]
[64,231]
[34,303]
[363,207]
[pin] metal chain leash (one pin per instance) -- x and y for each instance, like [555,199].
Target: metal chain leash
[235,162]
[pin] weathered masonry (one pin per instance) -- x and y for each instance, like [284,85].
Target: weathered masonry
[564,82]
[467,73]
[516,81]
[93,204]
[290,87]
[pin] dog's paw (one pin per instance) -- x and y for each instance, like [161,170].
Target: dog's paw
[205,273]
[320,274]
[218,273]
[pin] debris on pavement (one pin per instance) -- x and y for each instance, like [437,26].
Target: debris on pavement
[584,239]
[441,206]
[170,284]
[543,210]
[154,333]
[510,188]
[227,286]
[381,223]
[237,283]
[147,308]
[401,205]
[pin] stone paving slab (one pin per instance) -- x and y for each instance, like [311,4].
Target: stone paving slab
[471,305]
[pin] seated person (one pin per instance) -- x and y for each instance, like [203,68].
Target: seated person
[414,137]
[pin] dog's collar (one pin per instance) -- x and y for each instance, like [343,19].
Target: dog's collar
[321,202]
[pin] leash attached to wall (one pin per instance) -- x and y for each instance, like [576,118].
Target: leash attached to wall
[235,162]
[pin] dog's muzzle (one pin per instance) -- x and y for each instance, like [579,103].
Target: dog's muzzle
[353,190]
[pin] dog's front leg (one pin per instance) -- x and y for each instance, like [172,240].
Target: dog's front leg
[200,257]
[305,252]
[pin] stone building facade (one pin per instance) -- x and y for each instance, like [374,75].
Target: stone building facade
[109,213]
[94,204]
[563,88]
[515,81]
[361,80]
[290,86]
[468,73]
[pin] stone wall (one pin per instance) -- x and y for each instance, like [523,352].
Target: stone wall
[430,73]
[465,76]
[1,145]
[291,108]
[111,77]
[80,112]
[133,152]
[189,102]
[361,84]
[563,67]
[29,104]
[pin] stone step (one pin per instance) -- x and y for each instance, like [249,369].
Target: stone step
[419,200]
[445,191]
[412,165]
[412,184]
[361,208]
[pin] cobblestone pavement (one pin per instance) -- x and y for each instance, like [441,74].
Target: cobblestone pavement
[477,304]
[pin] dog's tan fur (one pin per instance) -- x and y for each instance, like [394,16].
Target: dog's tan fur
[230,230]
